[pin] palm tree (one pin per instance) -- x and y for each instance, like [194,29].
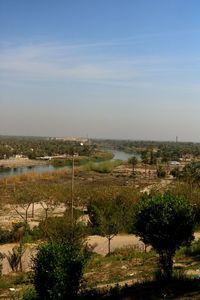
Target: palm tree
[133,161]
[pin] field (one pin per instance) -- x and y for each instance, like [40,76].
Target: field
[36,197]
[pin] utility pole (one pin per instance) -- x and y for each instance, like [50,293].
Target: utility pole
[72,190]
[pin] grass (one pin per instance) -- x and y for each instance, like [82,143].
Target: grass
[140,270]
[178,288]
[128,273]
[193,250]
[123,264]
[103,167]
[14,280]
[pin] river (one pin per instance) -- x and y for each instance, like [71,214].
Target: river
[48,168]
[123,155]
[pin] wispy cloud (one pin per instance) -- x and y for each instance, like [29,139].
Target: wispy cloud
[86,62]
[47,62]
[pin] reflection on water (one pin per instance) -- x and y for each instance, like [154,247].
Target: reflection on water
[29,169]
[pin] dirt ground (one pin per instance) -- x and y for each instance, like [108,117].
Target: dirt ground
[19,162]
[98,243]
[9,215]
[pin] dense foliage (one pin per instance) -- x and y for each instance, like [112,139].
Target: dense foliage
[109,217]
[57,271]
[165,222]
[154,150]
[63,230]
[34,147]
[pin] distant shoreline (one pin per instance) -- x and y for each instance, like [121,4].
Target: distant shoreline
[20,162]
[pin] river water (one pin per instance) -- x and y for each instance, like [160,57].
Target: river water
[47,168]
[123,155]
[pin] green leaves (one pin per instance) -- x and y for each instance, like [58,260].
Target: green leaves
[165,222]
[57,271]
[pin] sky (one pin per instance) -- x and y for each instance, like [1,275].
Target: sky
[122,69]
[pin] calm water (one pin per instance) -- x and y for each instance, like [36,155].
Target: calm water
[46,168]
[123,155]
[31,169]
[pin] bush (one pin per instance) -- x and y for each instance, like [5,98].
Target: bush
[175,172]
[22,231]
[62,230]
[161,173]
[30,294]
[58,271]
[5,236]
[14,257]
[103,167]
[192,250]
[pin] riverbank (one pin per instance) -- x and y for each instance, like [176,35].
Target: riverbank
[20,162]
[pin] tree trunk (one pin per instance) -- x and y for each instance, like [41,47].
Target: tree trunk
[20,259]
[33,210]
[109,250]
[166,261]
[26,216]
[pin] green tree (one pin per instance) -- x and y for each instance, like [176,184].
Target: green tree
[62,230]
[165,222]
[105,219]
[145,159]
[109,216]
[191,173]
[57,271]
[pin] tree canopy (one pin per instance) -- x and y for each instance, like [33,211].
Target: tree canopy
[166,223]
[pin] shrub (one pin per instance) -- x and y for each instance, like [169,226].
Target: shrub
[21,232]
[161,173]
[62,230]
[30,294]
[5,236]
[58,271]
[15,257]
[103,167]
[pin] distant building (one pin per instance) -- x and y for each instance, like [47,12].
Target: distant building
[72,139]
[174,163]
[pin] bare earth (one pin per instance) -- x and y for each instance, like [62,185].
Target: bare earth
[118,241]
[19,162]
[98,241]
[101,248]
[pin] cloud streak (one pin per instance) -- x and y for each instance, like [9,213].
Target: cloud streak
[81,62]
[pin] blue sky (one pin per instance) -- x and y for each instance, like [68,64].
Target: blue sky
[109,68]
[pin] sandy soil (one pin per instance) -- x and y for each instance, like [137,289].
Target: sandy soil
[9,214]
[20,162]
[99,243]
[29,252]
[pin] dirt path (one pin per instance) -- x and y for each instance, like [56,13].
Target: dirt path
[118,241]
[99,243]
